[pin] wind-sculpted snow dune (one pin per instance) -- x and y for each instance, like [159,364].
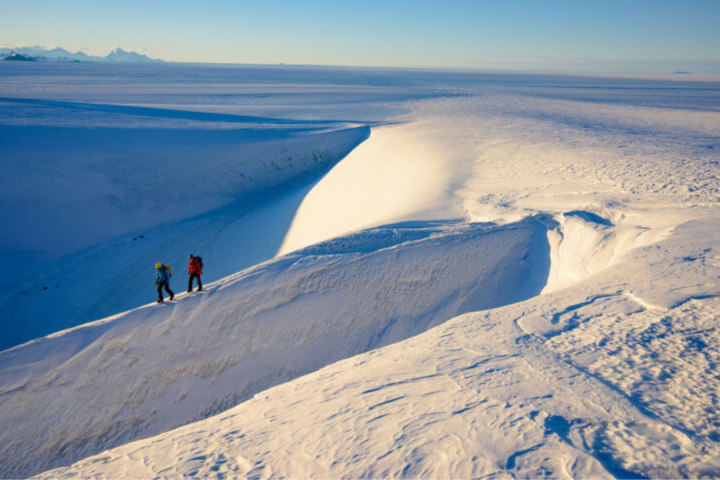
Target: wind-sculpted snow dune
[614,376]
[140,373]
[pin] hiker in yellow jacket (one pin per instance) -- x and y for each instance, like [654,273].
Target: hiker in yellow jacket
[163,280]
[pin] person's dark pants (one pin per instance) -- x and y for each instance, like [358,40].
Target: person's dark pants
[160,286]
[190,281]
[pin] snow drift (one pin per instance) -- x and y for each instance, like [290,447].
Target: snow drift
[81,391]
[602,379]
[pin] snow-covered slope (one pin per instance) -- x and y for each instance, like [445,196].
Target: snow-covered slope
[606,378]
[564,228]
[479,395]
[204,353]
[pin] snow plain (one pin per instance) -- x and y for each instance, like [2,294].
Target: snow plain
[409,274]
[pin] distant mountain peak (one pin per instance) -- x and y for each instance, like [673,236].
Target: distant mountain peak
[60,54]
[120,55]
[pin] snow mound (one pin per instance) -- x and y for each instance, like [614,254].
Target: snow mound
[584,243]
[401,172]
[614,376]
[137,374]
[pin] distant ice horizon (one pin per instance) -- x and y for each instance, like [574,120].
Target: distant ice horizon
[510,64]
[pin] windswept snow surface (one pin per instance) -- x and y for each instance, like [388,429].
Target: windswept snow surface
[519,277]
[205,353]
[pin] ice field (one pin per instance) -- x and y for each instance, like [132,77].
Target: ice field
[408,274]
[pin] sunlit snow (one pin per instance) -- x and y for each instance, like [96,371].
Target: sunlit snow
[408,274]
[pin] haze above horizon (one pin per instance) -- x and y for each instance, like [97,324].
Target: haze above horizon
[557,35]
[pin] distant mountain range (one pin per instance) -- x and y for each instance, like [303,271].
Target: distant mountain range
[60,54]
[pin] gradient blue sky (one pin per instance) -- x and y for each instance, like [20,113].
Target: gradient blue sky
[600,35]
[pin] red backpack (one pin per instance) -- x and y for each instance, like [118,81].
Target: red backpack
[196,265]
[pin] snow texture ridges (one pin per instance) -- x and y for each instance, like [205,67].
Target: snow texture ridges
[202,354]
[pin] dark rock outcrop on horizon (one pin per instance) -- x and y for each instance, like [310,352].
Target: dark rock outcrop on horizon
[19,57]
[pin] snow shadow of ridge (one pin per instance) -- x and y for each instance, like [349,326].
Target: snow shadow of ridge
[158,367]
[167,113]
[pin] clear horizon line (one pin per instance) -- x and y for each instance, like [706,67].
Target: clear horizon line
[544,64]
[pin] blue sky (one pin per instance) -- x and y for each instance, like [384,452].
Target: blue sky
[607,35]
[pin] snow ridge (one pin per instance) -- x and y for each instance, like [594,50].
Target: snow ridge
[204,353]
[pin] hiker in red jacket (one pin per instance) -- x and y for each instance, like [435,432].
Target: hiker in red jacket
[194,271]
